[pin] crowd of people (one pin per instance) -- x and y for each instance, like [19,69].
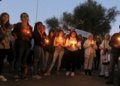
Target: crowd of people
[31,52]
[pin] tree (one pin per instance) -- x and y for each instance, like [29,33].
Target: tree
[89,16]
[52,23]
[93,17]
[68,18]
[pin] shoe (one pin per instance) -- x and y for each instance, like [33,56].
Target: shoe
[72,74]
[37,77]
[109,82]
[67,73]
[47,74]
[2,78]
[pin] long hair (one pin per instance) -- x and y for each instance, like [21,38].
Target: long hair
[60,32]
[36,24]
[7,24]
[24,14]
[71,34]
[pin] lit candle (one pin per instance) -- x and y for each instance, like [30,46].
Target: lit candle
[118,39]
[92,42]
[73,43]
[60,40]
[26,31]
[47,41]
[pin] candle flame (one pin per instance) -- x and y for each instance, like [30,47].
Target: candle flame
[118,38]
[47,41]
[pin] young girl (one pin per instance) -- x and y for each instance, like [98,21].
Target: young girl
[23,34]
[72,45]
[59,42]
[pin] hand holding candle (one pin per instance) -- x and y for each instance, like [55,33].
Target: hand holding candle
[92,44]
[60,41]
[118,39]
[26,31]
[47,41]
[73,43]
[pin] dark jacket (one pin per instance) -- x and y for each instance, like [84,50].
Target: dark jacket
[19,35]
[38,40]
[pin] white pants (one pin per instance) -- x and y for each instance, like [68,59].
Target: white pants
[58,54]
[104,69]
[88,63]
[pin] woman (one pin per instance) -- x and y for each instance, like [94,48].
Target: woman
[39,35]
[49,48]
[72,45]
[5,32]
[105,56]
[90,52]
[59,42]
[23,34]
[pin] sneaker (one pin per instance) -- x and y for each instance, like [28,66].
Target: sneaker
[37,77]
[47,74]
[2,78]
[67,73]
[72,74]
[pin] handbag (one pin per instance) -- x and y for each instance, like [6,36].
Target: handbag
[106,60]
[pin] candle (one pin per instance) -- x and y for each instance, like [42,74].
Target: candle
[73,43]
[92,42]
[60,40]
[118,39]
[26,31]
[47,41]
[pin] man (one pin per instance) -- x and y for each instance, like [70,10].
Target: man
[115,53]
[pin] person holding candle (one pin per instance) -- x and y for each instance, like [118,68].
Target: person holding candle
[23,34]
[105,56]
[59,42]
[38,35]
[115,53]
[90,52]
[49,48]
[72,45]
[5,39]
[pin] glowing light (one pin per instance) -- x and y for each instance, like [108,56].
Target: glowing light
[47,41]
[73,43]
[26,31]
[118,38]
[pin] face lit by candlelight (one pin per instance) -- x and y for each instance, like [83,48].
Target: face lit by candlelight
[90,37]
[73,34]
